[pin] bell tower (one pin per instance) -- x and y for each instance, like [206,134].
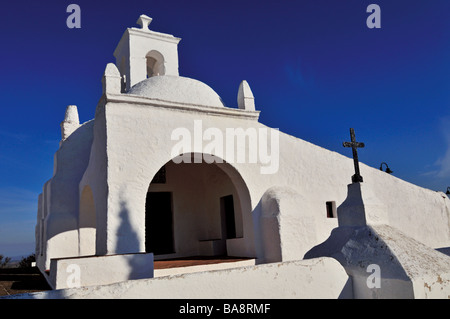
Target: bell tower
[142,53]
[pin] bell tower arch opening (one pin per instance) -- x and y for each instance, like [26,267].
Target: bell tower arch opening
[155,63]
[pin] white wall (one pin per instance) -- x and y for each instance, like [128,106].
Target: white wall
[307,279]
[132,140]
[133,47]
[99,270]
[61,197]
[143,135]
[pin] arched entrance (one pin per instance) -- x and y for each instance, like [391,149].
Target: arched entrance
[198,209]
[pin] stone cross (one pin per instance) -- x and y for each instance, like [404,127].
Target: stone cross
[357,178]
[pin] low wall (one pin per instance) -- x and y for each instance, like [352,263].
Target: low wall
[202,268]
[99,270]
[314,278]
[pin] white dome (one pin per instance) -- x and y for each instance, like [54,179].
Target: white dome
[177,89]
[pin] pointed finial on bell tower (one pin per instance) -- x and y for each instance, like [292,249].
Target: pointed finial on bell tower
[144,21]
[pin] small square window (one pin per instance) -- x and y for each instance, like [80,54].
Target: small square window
[331,209]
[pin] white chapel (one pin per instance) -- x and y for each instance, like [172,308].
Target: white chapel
[167,172]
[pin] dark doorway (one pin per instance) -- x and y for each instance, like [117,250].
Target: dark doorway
[227,217]
[158,223]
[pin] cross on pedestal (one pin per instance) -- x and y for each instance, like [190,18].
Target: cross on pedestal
[357,178]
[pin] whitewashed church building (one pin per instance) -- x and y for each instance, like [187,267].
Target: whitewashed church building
[165,171]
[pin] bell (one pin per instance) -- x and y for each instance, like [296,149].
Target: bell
[448,191]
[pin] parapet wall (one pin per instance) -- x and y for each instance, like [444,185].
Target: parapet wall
[315,278]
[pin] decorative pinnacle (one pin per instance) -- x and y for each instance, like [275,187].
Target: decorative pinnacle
[71,115]
[245,97]
[144,21]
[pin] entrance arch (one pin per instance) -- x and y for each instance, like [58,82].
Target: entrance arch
[198,209]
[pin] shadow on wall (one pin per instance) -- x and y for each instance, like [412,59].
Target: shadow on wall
[268,242]
[444,250]
[66,180]
[128,243]
[259,247]
[127,237]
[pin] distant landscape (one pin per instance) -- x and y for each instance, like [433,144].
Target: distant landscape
[17,276]
[17,261]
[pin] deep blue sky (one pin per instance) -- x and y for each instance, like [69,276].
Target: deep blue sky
[314,67]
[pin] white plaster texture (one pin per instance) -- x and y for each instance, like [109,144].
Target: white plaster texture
[99,270]
[280,216]
[361,207]
[144,21]
[245,98]
[58,217]
[71,122]
[177,89]
[408,268]
[142,131]
[134,47]
[202,268]
[111,80]
[282,207]
[320,278]
[427,269]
